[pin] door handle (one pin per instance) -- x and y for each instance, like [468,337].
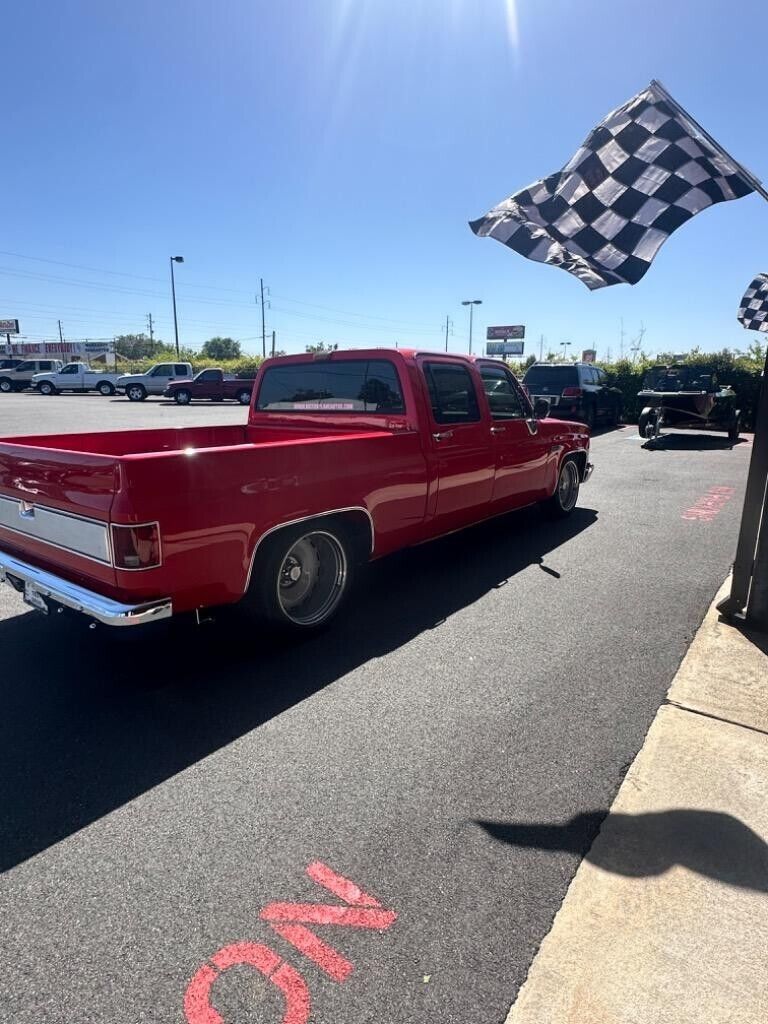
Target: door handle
[443,436]
[498,430]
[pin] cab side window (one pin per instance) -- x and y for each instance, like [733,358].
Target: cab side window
[503,398]
[451,393]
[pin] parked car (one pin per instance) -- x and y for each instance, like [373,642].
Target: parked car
[577,391]
[20,377]
[10,364]
[344,458]
[212,384]
[75,377]
[154,382]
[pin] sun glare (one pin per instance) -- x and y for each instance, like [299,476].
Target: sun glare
[513,31]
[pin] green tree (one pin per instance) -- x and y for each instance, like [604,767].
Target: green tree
[137,346]
[221,348]
[322,346]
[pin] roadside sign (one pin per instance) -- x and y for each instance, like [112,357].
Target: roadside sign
[504,348]
[496,333]
[588,355]
[9,326]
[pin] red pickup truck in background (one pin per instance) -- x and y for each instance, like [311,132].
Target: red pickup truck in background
[346,456]
[212,384]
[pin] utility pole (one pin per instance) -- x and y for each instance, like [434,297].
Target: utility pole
[273,344]
[621,343]
[541,348]
[61,336]
[151,328]
[263,329]
[448,325]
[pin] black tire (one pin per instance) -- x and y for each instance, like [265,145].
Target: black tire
[105,388]
[244,397]
[644,421]
[46,388]
[563,501]
[734,429]
[182,397]
[135,392]
[6,386]
[301,576]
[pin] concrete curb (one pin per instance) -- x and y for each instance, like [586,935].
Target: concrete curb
[666,920]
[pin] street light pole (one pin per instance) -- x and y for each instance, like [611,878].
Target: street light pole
[471,303]
[175,259]
[565,345]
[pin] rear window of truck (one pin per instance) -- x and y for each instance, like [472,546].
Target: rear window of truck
[344,385]
[551,376]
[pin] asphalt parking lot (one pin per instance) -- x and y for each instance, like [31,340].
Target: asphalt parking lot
[160,793]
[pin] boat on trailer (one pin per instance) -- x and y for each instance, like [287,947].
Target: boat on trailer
[687,397]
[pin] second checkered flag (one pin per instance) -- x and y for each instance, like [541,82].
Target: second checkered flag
[753,312]
[644,171]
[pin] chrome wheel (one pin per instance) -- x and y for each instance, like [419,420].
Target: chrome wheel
[5,386]
[135,393]
[568,486]
[183,397]
[312,578]
[244,398]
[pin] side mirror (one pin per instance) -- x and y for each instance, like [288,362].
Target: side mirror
[541,408]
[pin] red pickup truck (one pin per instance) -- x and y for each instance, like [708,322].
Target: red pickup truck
[212,384]
[346,456]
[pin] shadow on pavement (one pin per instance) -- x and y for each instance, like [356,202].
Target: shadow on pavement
[91,719]
[692,443]
[711,843]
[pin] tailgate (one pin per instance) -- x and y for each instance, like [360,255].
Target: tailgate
[54,509]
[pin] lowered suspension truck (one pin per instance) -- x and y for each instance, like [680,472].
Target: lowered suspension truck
[345,457]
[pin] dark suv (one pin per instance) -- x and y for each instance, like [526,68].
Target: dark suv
[577,391]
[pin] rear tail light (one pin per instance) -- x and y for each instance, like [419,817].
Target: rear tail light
[572,392]
[136,547]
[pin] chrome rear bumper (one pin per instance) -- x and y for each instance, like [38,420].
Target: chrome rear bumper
[588,468]
[37,582]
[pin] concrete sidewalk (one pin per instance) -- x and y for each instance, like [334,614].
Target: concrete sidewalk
[666,920]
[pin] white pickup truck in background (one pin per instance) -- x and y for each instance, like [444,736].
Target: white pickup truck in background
[75,377]
[154,382]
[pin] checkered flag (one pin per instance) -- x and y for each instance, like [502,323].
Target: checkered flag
[641,173]
[753,312]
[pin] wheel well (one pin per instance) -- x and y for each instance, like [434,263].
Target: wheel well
[356,523]
[580,458]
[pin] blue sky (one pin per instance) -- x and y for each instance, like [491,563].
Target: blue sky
[337,149]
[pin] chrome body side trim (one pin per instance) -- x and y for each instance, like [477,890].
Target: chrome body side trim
[304,519]
[71,595]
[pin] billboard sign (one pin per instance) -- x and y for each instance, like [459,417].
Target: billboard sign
[504,333]
[588,355]
[504,348]
[9,326]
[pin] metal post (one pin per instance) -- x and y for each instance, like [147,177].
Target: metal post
[750,567]
[263,330]
[273,344]
[471,310]
[175,321]
[61,336]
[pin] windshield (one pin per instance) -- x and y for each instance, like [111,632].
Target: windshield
[349,385]
[552,376]
[679,378]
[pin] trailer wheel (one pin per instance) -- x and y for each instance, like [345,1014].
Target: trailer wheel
[302,577]
[734,429]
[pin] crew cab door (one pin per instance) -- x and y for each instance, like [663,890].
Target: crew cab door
[521,451]
[460,441]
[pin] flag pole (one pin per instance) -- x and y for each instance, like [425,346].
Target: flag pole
[750,178]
